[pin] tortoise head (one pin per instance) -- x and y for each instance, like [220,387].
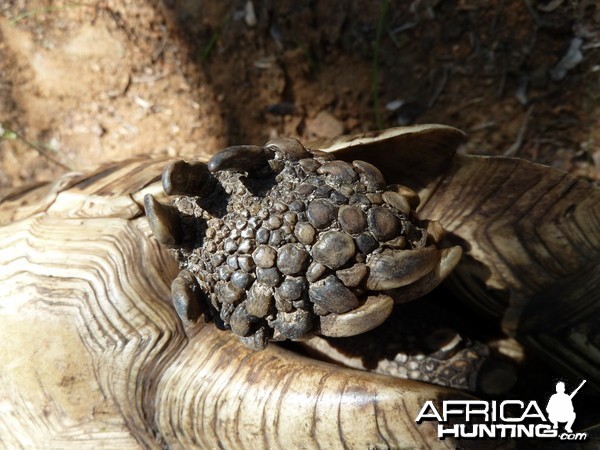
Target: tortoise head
[283,242]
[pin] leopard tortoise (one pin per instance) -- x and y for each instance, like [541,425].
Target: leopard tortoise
[106,340]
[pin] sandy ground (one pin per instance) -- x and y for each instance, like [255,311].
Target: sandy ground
[82,83]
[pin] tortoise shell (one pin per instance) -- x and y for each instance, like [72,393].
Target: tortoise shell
[94,353]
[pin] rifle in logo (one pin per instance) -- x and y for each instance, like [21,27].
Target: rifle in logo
[560,406]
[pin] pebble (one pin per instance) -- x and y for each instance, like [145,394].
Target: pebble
[352,219]
[333,249]
[352,276]
[269,276]
[291,259]
[382,223]
[366,243]
[397,201]
[264,256]
[331,295]
[260,299]
[321,213]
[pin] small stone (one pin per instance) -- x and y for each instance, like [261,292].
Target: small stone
[270,276]
[241,279]
[332,295]
[366,243]
[397,201]
[291,288]
[315,271]
[382,223]
[352,219]
[264,256]
[333,249]
[340,172]
[321,213]
[352,276]
[263,235]
[246,263]
[324,125]
[305,233]
[260,299]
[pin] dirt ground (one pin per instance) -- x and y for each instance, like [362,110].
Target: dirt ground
[82,83]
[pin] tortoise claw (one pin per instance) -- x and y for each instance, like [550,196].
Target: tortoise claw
[288,147]
[370,175]
[188,299]
[164,221]
[449,258]
[396,268]
[183,178]
[244,158]
[366,317]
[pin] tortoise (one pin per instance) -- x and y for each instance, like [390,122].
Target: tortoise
[95,354]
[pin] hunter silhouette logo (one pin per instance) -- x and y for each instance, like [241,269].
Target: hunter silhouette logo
[505,419]
[560,406]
